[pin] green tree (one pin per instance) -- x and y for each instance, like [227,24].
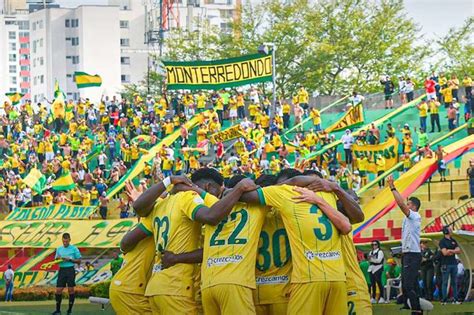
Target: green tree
[456,49]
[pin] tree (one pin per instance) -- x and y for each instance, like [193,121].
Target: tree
[456,49]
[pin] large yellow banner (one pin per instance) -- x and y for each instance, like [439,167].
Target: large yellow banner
[48,234]
[56,211]
[217,74]
[227,134]
[352,118]
[388,150]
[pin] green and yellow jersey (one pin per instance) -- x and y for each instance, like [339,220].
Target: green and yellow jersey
[273,262]
[315,242]
[174,230]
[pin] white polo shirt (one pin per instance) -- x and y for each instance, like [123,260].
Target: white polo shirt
[411,229]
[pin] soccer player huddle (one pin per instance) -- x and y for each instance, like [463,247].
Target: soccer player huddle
[279,245]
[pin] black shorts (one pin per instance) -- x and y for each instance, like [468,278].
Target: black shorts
[66,276]
[388,97]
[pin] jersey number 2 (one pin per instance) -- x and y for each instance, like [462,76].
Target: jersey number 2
[232,240]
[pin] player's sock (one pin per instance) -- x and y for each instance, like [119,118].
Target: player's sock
[71,302]
[59,298]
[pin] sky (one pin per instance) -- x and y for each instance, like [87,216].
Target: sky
[435,17]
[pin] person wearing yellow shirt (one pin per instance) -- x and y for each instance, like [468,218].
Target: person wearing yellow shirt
[274,166]
[273,267]
[252,108]
[380,167]
[220,109]
[276,140]
[362,166]
[86,198]
[286,109]
[467,83]
[169,127]
[407,142]
[201,133]
[240,105]
[232,109]
[178,166]
[127,287]
[167,166]
[433,106]
[312,138]
[76,196]
[176,230]
[193,162]
[265,121]
[226,172]
[316,117]
[423,112]
[447,93]
[303,98]
[214,126]
[455,83]
[314,228]
[201,102]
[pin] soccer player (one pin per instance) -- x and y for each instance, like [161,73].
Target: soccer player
[70,255]
[273,262]
[318,279]
[176,229]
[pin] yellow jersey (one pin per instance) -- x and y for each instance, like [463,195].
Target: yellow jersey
[137,263]
[355,281]
[174,230]
[273,262]
[315,242]
[316,116]
[230,248]
[423,109]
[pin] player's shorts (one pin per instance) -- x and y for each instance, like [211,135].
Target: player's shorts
[227,299]
[172,305]
[66,276]
[362,174]
[125,303]
[272,309]
[318,298]
[358,304]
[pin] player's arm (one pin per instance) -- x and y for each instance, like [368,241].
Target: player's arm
[350,208]
[133,237]
[340,221]
[222,208]
[144,203]
[398,197]
[169,259]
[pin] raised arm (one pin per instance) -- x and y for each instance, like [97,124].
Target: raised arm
[143,204]
[398,198]
[340,221]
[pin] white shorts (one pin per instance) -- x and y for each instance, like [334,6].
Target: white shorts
[431,96]
[233,113]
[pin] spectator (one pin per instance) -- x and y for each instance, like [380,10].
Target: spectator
[449,249]
[467,83]
[364,266]
[391,277]
[388,89]
[8,277]
[433,105]
[470,176]
[423,112]
[460,279]
[409,89]
[411,258]
[441,163]
[430,88]
[451,118]
[347,142]
[455,82]
[422,138]
[402,83]
[376,258]
[427,271]
[380,165]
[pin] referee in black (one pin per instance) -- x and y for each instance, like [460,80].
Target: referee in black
[70,255]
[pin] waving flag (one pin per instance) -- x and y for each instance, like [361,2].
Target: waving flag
[14,97]
[84,80]
[64,182]
[35,180]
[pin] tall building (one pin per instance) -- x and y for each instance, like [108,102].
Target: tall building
[14,53]
[63,41]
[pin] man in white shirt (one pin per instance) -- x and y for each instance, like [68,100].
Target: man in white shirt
[8,277]
[411,259]
[347,142]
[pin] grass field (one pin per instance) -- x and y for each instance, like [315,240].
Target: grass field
[84,307]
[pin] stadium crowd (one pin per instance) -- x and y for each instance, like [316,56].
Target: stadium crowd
[97,143]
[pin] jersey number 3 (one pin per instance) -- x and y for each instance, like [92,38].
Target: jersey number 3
[233,239]
[323,220]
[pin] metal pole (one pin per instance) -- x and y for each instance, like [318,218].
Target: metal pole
[274,79]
